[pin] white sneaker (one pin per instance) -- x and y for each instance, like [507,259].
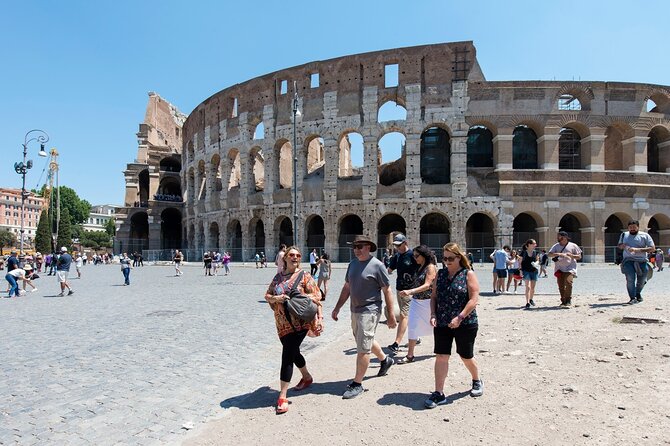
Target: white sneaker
[33,290]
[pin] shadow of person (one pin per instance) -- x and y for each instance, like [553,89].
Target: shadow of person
[415,401]
[267,397]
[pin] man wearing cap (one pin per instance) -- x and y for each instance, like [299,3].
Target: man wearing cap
[12,261]
[365,281]
[63,270]
[403,261]
[565,254]
[635,245]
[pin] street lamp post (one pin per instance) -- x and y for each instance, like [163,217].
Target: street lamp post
[296,113]
[22,168]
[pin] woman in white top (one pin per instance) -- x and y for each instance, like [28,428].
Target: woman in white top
[13,278]
[324,274]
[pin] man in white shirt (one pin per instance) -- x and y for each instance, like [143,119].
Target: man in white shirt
[565,254]
[313,259]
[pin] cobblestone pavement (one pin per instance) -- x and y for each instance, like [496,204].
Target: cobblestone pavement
[132,365]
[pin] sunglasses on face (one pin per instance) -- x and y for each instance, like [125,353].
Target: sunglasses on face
[294,255]
[361,246]
[449,258]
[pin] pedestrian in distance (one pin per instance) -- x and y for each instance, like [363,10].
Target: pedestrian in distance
[279,257]
[226,262]
[257,260]
[63,270]
[544,263]
[565,254]
[514,270]
[324,274]
[636,245]
[313,260]
[216,263]
[125,268]
[659,259]
[177,259]
[402,261]
[454,299]
[530,259]
[366,280]
[207,260]
[501,258]
[78,264]
[420,293]
[292,331]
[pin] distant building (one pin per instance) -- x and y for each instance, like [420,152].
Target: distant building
[99,216]
[10,213]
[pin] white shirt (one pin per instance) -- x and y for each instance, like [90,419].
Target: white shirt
[79,262]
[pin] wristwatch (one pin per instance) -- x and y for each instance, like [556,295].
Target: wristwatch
[460,317]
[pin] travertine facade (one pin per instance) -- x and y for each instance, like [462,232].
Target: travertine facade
[483,163]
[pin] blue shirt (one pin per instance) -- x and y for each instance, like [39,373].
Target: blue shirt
[64,262]
[500,258]
[12,263]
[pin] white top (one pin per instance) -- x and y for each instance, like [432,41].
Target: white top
[79,262]
[18,273]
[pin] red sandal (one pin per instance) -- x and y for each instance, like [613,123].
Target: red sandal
[303,383]
[282,406]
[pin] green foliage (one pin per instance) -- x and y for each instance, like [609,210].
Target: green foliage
[77,208]
[64,230]
[43,234]
[110,228]
[95,239]
[77,231]
[7,239]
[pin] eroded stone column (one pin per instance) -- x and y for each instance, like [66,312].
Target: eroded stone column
[502,149]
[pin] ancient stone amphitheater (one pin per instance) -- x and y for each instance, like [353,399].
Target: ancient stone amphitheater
[477,162]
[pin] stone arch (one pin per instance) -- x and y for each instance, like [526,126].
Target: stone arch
[215,173]
[201,236]
[570,149]
[316,233]
[572,223]
[659,230]
[391,111]
[387,227]
[391,145]
[658,101]
[348,227]
[480,235]
[479,147]
[314,152]
[658,150]
[170,163]
[190,153]
[234,171]
[170,188]
[139,232]
[435,153]
[351,154]
[143,181]
[171,228]
[234,239]
[213,237]
[569,94]
[615,134]
[525,226]
[283,164]
[256,168]
[615,224]
[257,231]
[284,229]
[435,231]
[524,148]
[259,131]
[201,190]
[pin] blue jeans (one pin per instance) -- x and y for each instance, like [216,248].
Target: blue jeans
[636,277]
[126,275]
[13,286]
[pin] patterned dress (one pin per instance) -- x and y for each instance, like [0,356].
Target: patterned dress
[452,296]
[307,287]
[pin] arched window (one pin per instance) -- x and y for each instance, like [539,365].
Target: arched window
[524,148]
[391,151]
[480,147]
[391,111]
[259,133]
[569,149]
[315,154]
[569,102]
[435,156]
[351,155]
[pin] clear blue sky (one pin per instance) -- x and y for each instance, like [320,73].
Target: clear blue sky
[81,69]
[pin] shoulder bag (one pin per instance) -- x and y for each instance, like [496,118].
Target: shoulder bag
[298,305]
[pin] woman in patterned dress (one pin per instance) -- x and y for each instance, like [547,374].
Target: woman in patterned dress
[453,301]
[292,333]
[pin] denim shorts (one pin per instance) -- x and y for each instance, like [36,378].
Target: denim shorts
[530,275]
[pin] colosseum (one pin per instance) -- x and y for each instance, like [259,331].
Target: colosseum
[478,162]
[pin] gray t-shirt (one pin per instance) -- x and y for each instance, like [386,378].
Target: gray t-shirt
[566,264]
[639,240]
[366,279]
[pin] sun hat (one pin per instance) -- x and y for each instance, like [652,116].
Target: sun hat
[363,239]
[27,267]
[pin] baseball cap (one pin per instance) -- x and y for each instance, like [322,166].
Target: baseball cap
[63,249]
[399,239]
[564,234]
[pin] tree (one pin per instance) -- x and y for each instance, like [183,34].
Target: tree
[110,228]
[43,234]
[96,239]
[64,230]
[77,208]
[7,239]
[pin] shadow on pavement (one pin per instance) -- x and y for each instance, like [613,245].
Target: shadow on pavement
[267,397]
[614,304]
[415,401]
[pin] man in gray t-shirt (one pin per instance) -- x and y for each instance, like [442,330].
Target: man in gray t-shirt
[636,245]
[365,282]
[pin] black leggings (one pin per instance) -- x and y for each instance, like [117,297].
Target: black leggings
[291,354]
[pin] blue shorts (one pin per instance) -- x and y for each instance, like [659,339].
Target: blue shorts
[530,275]
[502,273]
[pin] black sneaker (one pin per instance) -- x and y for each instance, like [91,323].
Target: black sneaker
[385,366]
[532,302]
[393,348]
[639,299]
[434,400]
[527,306]
[70,293]
[477,388]
[353,390]
[418,341]
[632,301]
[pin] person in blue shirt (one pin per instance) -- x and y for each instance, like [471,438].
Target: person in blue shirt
[12,261]
[501,258]
[63,270]
[635,245]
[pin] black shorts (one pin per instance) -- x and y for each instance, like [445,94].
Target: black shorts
[465,340]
